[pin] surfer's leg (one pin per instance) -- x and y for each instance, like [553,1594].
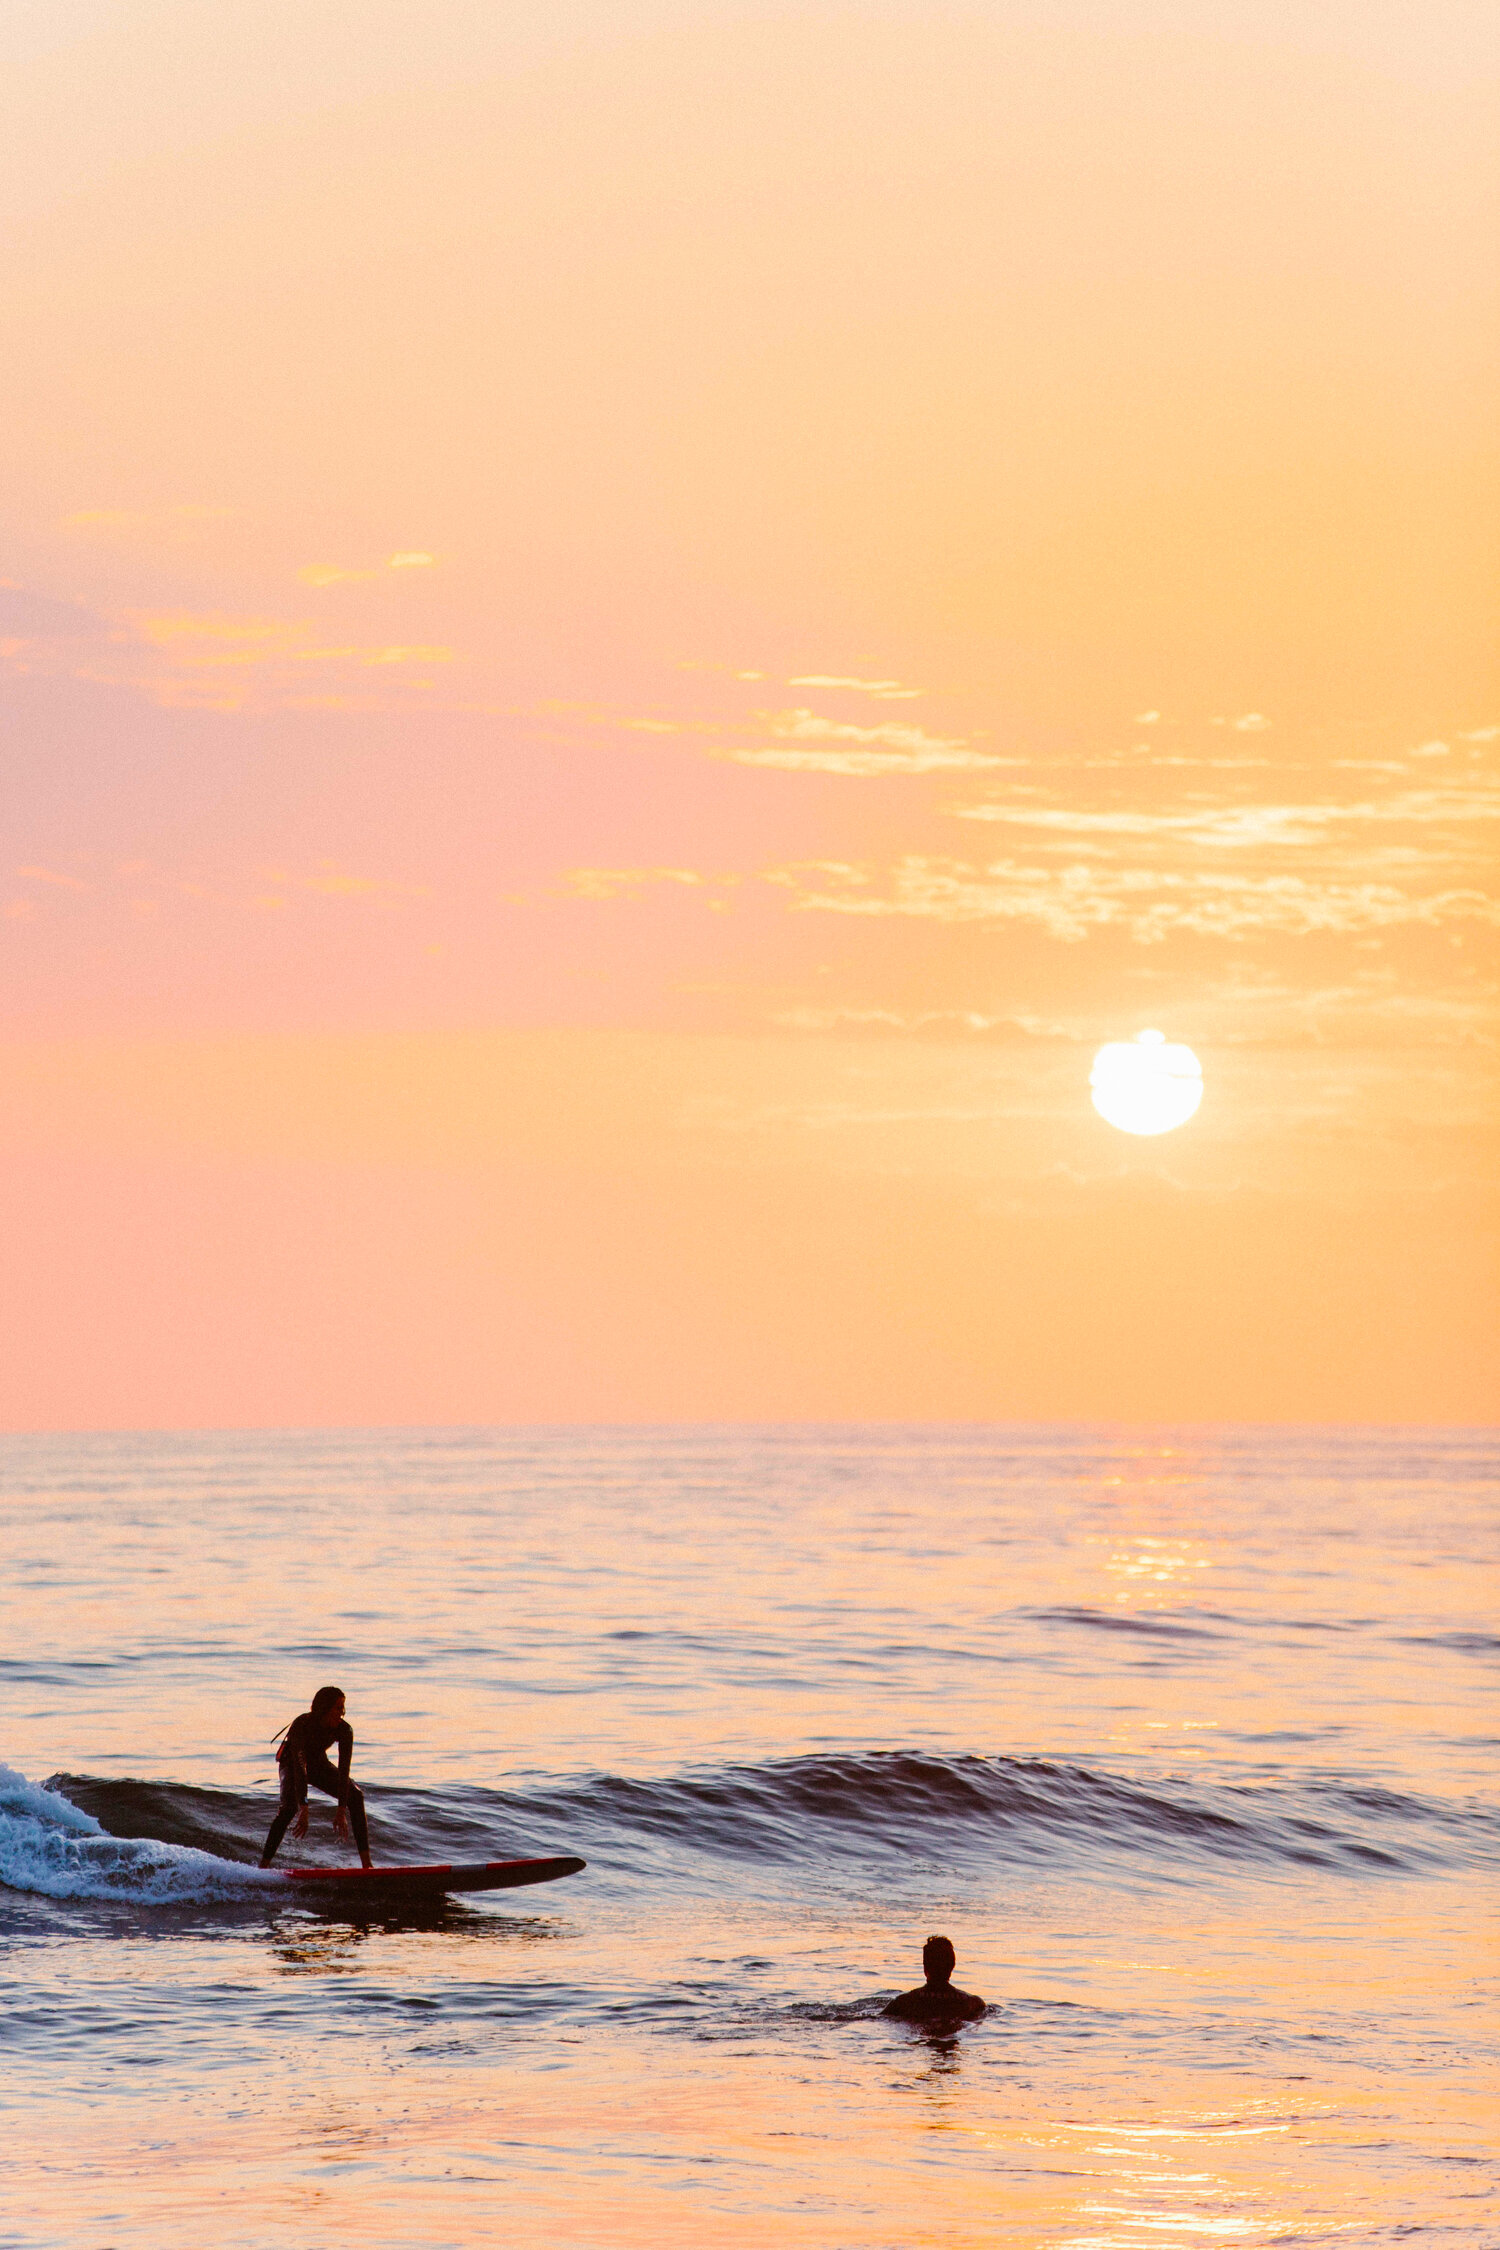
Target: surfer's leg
[280,1824]
[321,1775]
[357,1821]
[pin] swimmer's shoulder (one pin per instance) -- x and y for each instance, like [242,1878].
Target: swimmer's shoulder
[920,2006]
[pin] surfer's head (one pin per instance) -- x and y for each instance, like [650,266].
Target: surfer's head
[938,1960]
[328,1706]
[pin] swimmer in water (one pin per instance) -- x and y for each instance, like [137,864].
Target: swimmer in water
[303,1759]
[939,2000]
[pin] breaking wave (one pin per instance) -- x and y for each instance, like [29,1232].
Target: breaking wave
[49,1844]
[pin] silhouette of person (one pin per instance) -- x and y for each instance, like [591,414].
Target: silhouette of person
[303,1758]
[939,2000]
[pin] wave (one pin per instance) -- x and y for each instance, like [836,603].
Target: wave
[87,1837]
[915,1805]
[50,1845]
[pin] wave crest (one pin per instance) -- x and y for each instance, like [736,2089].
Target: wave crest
[52,1846]
[84,1836]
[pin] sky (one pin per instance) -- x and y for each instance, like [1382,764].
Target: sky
[627,632]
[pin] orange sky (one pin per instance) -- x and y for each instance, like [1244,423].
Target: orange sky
[628,631]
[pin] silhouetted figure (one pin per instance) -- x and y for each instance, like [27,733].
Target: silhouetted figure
[303,1759]
[939,2000]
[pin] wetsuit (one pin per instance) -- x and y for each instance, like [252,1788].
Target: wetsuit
[303,1759]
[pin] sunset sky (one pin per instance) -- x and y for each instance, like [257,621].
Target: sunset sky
[630,627]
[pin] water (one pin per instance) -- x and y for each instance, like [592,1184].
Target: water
[1183,1738]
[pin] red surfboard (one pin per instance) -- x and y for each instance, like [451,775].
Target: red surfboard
[431,1882]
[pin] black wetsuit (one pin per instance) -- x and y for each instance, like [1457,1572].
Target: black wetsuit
[303,1759]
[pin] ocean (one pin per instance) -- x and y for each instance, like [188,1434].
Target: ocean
[1184,1737]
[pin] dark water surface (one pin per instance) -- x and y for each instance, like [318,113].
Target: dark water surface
[1186,1738]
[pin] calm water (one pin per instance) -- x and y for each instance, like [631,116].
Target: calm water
[1183,1738]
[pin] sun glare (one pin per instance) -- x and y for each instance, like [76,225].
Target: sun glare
[1145,1085]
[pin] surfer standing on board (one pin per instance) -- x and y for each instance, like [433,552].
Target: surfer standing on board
[939,2000]
[303,1759]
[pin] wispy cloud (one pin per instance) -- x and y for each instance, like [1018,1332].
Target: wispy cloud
[886,691]
[940,1022]
[329,880]
[1254,826]
[215,661]
[138,887]
[339,574]
[213,639]
[53,876]
[804,742]
[631,882]
[1147,904]
[238,641]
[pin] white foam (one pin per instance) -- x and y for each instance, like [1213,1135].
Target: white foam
[47,1845]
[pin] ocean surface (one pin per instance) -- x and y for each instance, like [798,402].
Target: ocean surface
[1186,1738]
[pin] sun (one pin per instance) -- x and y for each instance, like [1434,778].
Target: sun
[1143,1085]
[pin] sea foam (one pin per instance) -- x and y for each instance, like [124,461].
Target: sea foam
[50,1846]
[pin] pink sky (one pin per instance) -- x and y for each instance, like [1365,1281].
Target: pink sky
[628,633]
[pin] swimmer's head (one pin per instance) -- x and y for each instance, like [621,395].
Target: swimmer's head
[328,1706]
[938,1960]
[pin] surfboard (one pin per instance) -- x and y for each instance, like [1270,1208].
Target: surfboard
[430,1882]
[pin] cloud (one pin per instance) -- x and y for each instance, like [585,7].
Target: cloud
[207,660]
[940,1021]
[334,574]
[1147,904]
[887,691]
[1255,1006]
[807,743]
[213,639]
[1247,827]
[237,641]
[328,880]
[52,876]
[118,888]
[804,741]
[629,882]
[331,881]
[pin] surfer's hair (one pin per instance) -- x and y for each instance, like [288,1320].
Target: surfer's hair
[939,1959]
[324,1701]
